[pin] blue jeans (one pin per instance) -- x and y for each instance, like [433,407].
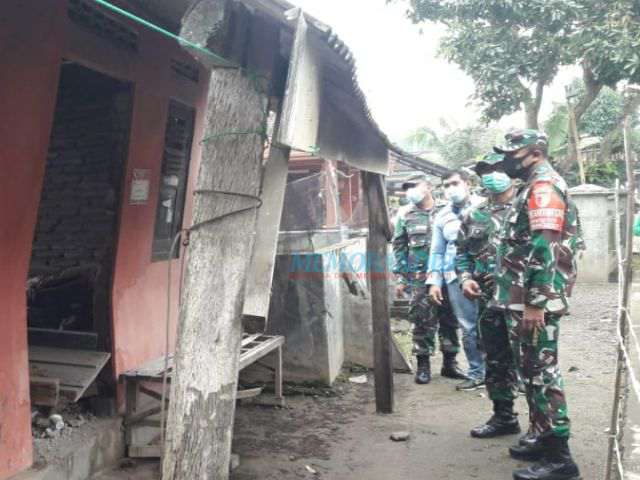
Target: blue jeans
[466,311]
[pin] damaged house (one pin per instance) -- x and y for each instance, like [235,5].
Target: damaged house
[102,144]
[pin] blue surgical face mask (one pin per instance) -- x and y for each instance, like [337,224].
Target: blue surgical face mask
[496,182]
[456,194]
[415,195]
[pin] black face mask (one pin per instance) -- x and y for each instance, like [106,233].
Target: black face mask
[513,167]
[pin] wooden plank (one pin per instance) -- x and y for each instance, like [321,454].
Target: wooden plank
[150,370]
[74,378]
[246,340]
[69,376]
[256,353]
[257,296]
[379,235]
[136,418]
[248,393]
[145,451]
[131,403]
[278,379]
[153,394]
[61,356]
[45,392]
[46,337]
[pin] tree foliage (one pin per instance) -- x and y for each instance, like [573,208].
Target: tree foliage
[603,120]
[513,49]
[608,39]
[456,147]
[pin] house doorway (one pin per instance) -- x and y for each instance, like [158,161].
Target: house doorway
[74,246]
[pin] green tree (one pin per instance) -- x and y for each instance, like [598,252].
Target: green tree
[462,146]
[421,141]
[598,120]
[512,50]
[603,119]
[454,146]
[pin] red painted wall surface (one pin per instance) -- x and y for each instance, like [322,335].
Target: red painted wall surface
[34,38]
[27,100]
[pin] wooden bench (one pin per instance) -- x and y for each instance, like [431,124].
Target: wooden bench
[253,348]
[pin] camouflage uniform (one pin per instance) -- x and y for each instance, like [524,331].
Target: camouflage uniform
[411,241]
[477,244]
[536,266]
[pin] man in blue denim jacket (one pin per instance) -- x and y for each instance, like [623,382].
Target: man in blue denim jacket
[442,272]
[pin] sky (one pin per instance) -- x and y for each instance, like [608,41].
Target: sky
[406,84]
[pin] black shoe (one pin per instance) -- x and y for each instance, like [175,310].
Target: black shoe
[503,422]
[450,368]
[423,373]
[530,448]
[528,438]
[470,385]
[556,465]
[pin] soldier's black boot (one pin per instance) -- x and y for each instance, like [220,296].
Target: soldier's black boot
[557,463]
[530,448]
[450,368]
[423,374]
[503,422]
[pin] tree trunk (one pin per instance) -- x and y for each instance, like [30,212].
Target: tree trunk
[531,116]
[379,236]
[532,107]
[593,89]
[201,411]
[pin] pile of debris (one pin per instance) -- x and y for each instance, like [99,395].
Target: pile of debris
[53,423]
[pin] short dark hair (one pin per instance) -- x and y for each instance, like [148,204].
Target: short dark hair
[464,176]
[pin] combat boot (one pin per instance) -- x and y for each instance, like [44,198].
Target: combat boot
[450,368]
[557,463]
[503,422]
[530,448]
[423,374]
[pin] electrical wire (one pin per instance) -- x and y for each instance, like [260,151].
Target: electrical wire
[156,28]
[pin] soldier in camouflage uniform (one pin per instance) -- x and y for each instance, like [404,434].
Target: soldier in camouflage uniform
[477,245]
[535,270]
[412,236]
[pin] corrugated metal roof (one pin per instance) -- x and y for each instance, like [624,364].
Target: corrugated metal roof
[171,12]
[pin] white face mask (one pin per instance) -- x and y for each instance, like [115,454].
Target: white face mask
[456,194]
[415,195]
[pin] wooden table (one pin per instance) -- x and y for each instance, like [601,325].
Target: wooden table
[253,348]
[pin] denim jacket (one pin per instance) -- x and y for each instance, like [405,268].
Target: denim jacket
[442,258]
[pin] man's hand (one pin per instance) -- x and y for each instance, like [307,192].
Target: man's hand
[533,319]
[401,288]
[471,289]
[435,292]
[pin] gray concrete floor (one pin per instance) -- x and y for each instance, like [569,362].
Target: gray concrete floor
[341,437]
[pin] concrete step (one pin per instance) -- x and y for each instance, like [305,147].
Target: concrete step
[139,470]
[92,452]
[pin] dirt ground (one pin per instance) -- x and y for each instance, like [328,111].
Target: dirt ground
[340,437]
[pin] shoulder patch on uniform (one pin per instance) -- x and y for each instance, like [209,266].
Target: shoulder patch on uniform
[546,207]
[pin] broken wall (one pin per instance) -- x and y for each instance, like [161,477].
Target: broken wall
[77,216]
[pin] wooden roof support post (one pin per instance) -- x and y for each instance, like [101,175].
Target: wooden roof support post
[203,393]
[378,269]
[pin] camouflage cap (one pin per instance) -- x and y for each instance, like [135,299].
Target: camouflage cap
[413,180]
[519,139]
[488,160]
